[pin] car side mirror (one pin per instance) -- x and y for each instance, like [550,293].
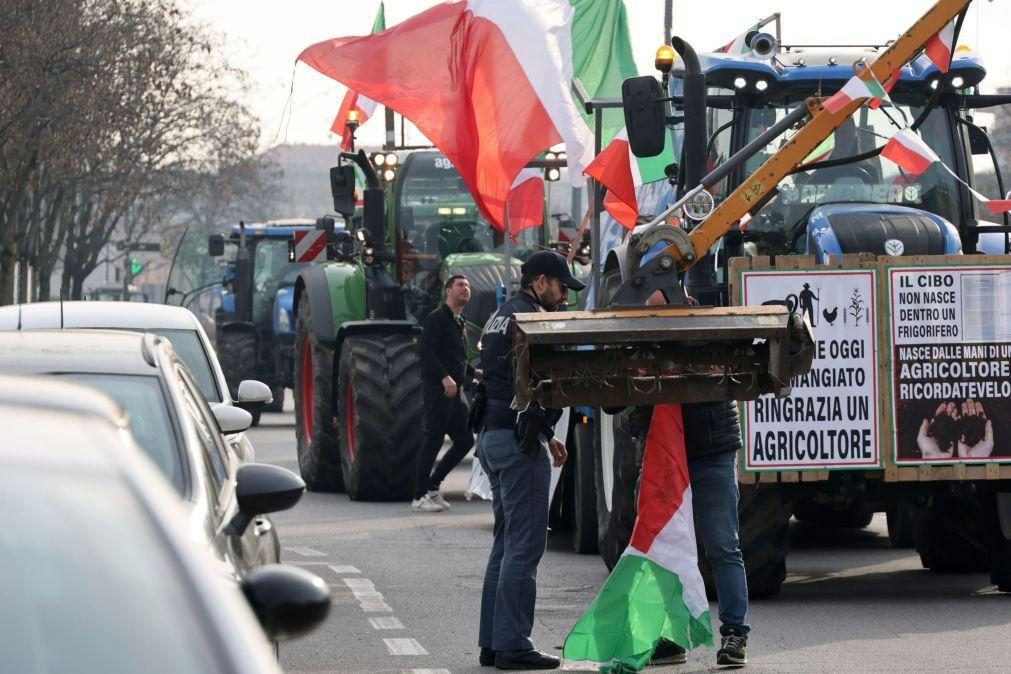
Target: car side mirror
[232,419]
[215,245]
[252,392]
[261,489]
[644,115]
[288,601]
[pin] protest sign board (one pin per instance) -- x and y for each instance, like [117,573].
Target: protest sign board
[831,418]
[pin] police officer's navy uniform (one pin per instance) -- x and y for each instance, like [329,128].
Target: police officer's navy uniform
[519,483]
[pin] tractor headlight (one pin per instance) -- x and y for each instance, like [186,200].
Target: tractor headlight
[740,82]
[762,85]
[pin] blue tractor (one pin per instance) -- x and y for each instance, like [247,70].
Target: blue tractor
[245,298]
[844,199]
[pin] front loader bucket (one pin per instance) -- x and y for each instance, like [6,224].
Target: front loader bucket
[651,355]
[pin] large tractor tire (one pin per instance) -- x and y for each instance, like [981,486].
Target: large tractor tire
[381,415]
[315,435]
[901,519]
[237,355]
[582,463]
[616,516]
[276,405]
[765,541]
[951,535]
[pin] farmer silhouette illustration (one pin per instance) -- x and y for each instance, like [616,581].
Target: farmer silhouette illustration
[807,304]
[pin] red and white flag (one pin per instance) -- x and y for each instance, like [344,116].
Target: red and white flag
[486,81]
[855,89]
[939,48]
[622,173]
[526,201]
[363,105]
[907,150]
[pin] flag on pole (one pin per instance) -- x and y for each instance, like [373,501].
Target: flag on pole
[909,152]
[621,173]
[887,86]
[853,90]
[488,82]
[939,48]
[912,155]
[364,105]
[526,201]
[655,590]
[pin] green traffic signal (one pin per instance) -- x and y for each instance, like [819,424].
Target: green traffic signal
[135,266]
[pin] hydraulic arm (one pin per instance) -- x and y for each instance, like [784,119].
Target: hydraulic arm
[636,354]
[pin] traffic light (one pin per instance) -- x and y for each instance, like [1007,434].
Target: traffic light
[135,267]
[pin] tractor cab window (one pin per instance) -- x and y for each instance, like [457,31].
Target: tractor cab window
[782,221]
[271,272]
[436,217]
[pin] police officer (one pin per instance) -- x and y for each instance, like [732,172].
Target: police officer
[513,448]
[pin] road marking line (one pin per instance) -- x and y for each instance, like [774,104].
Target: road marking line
[425,671]
[306,552]
[376,607]
[389,623]
[359,583]
[340,570]
[404,647]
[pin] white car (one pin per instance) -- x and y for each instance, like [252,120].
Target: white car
[100,571]
[178,325]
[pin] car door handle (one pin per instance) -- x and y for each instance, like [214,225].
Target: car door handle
[262,527]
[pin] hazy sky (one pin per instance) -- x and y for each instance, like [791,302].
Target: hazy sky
[265,36]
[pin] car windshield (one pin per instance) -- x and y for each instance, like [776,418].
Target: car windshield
[873,180]
[142,398]
[187,344]
[89,585]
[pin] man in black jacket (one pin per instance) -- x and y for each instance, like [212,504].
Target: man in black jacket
[444,370]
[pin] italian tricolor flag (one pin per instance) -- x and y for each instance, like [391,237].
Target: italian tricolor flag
[853,90]
[655,589]
[365,106]
[621,173]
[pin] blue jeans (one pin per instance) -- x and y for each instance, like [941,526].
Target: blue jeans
[714,502]
[519,487]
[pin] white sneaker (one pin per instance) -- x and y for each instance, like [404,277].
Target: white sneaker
[436,497]
[425,505]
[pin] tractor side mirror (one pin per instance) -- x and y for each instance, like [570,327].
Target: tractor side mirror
[215,245]
[644,115]
[978,142]
[342,187]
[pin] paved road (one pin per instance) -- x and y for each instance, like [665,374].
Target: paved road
[406,589]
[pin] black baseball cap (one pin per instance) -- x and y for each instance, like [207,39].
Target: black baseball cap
[550,263]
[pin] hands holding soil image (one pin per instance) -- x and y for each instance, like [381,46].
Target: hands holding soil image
[963,427]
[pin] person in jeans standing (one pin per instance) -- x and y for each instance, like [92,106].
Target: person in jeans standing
[513,447]
[444,370]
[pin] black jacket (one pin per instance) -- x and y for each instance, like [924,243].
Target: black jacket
[443,350]
[497,346]
[710,428]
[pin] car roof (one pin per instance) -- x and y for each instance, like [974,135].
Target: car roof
[100,351]
[119,315]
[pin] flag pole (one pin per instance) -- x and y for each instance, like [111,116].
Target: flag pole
[668,20]
[508,253]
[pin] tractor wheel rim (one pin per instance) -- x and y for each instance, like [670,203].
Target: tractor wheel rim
[308,391]
[349,421]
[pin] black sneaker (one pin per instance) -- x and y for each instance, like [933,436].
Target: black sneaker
[733,650]
[668,653]
[486,657]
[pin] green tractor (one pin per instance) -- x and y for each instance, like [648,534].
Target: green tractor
[357,379]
